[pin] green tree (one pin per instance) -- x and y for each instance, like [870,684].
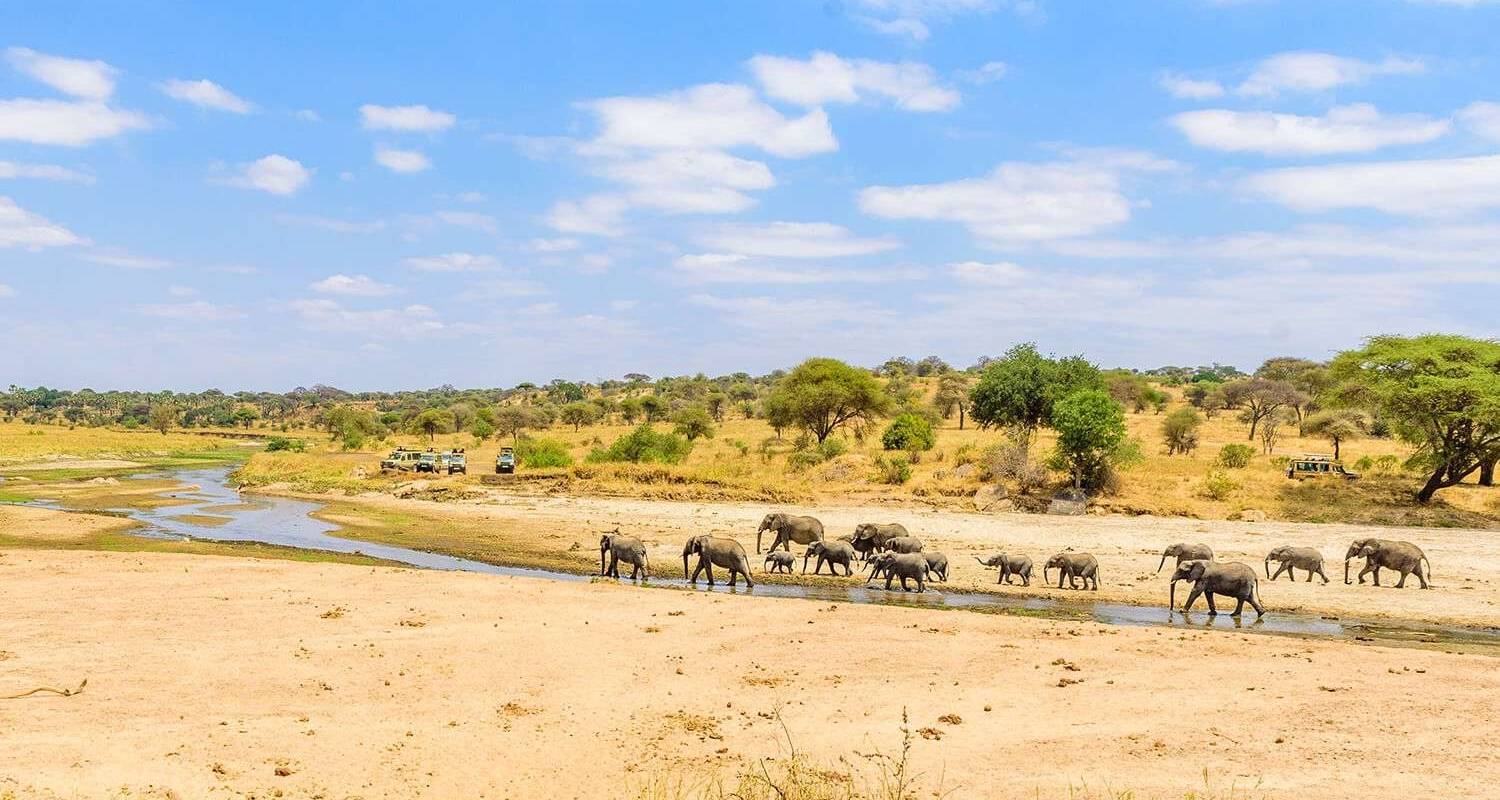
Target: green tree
[1180,430]
[1441,393]
[163,416]
[630,409]
[512,420]
[824,394]
[431,422]
[578,414]
[694,422]
[1337,425]
[1019,389]
[1090,429]
[908,432]
[952,394]
[654,408]
[245,415]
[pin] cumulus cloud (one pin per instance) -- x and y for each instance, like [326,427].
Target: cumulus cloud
[193,311]
[1357,128]
[1483,118]
[690,181]
[827,78]
[1185,88]
[1432,187]
[453,262]
[353,285]
[988,72]
[403,161]
[206,94]
[910,18]
[89,80]
[329,315]
[558,245]
[713,116]
[274,173]
[43,172]
[115,257]
[596,215]
[736,268]
[794,240]
[21,228]
[1017,202]
[1318,72]
[999,273]
[65,123]
[405,118]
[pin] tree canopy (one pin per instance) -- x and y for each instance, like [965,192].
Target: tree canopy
[1090,428]
[1020,388]
[824,394]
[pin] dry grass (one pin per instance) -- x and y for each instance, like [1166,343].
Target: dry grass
[21,443]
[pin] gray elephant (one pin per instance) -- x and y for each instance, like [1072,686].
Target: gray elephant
[716,551]
[1303,558]
[1404,557]
[903,566]
[904,544]
[619,548]
[871,537]
[788,529]
[1183,551]
[1010,566]
[780,561]
[831,553]
[937,566]
[1073,566]
[1212,578]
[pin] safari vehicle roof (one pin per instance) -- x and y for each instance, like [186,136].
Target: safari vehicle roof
[1314,457]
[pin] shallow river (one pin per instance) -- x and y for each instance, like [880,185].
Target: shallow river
[283,521]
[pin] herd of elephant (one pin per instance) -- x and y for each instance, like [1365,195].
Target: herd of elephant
[889,550]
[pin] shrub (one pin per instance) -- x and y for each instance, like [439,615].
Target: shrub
[1180,429]
[895,470]
[832,448]
[1387,463]
[908,432]
[739,444]
[1217,486]
[1235,456]
[1364,464]
[964,455]
[694,422]
[540,453]
[645,445]
[1011,461]
[282,443]
[802,459]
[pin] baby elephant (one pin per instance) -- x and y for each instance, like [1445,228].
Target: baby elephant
[1073,566]
[1210,578]
[937,566]
[830,553]
[1182,551]
[1304,558]
[716,551]
[904,544]
[619,548]
[1010,567]
[780,561]
[903,566]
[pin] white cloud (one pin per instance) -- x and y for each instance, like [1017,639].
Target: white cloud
[989,72]
[906,17]
[194,311]
[794,240]
[1017,202]
[403,161]
[206,94]
[44,172]
[780,315]
[274,173]
[1435,187]
[690,181]
[1357,128]
[596,215]
[353,285]
[710,117]
[559,245]
[6,291]
[1318,72]
[1001,273]
[914,29]
[453,262]
[89,80]
[736,268]
[827,78]
[21,228]
[328,315]
[1185,88]
[114,257]
[1483,119]
[331,224]
[66,123]
[405,118]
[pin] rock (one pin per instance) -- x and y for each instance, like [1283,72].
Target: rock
[1252,515]
[988,497]
[963,470]
[1069,503]
[1099,511]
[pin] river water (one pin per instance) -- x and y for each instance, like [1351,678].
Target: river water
[288,522]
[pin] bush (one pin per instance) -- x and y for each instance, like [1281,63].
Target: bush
[1364,464]
[282,443]
[694,423]
[1217,486]
[540,453]
[645,445]
[802,459]
[832,448]
[895,470]
[1235,456]
[908,432]
[1011,461]
[964,455]
[1180,429]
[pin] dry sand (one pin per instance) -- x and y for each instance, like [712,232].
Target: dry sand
[222,677]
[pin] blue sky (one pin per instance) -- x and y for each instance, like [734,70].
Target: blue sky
[270,195]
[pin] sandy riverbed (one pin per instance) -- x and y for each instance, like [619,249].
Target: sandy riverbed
[224,677]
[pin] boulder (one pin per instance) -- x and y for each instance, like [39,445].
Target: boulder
[1069,503]
[1252,515]
[991,497]
[963,470]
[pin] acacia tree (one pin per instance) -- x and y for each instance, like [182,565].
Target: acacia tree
[1019,389]
[1337,425]
[1262,399]
[824,394]
[952,394]
[163,417]
[578,414]
[1438,392]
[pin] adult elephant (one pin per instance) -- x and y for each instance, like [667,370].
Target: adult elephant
[1073,566]
[871,537]
[716,551]
[619,548]
[788,529]
[1291,559]
[1182,551]
[1403,557]
[1211,578]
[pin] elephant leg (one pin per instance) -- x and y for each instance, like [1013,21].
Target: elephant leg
[732,575]
[1421,577]
[1366,571]
[1260,610]
[890,576]
[1309,576]
[1321,574]
[1401,584]
[1377,574]
[614,566]
[921,585]
[1213,611]
[848,570]
[1239,606]
[1193,598]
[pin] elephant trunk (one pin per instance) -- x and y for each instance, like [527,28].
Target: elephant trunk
[1268,566]
[1172,596]
[758,532]
[804,560]
[602,550]
[1346,569]
[1045,577]
[684,566]
[1162,564]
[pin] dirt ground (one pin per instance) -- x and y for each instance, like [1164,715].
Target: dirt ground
[225,677]
[1466,563]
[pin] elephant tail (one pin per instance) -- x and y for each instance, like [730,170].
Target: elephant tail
[1429,568]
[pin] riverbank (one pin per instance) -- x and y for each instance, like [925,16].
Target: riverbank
[257,678]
